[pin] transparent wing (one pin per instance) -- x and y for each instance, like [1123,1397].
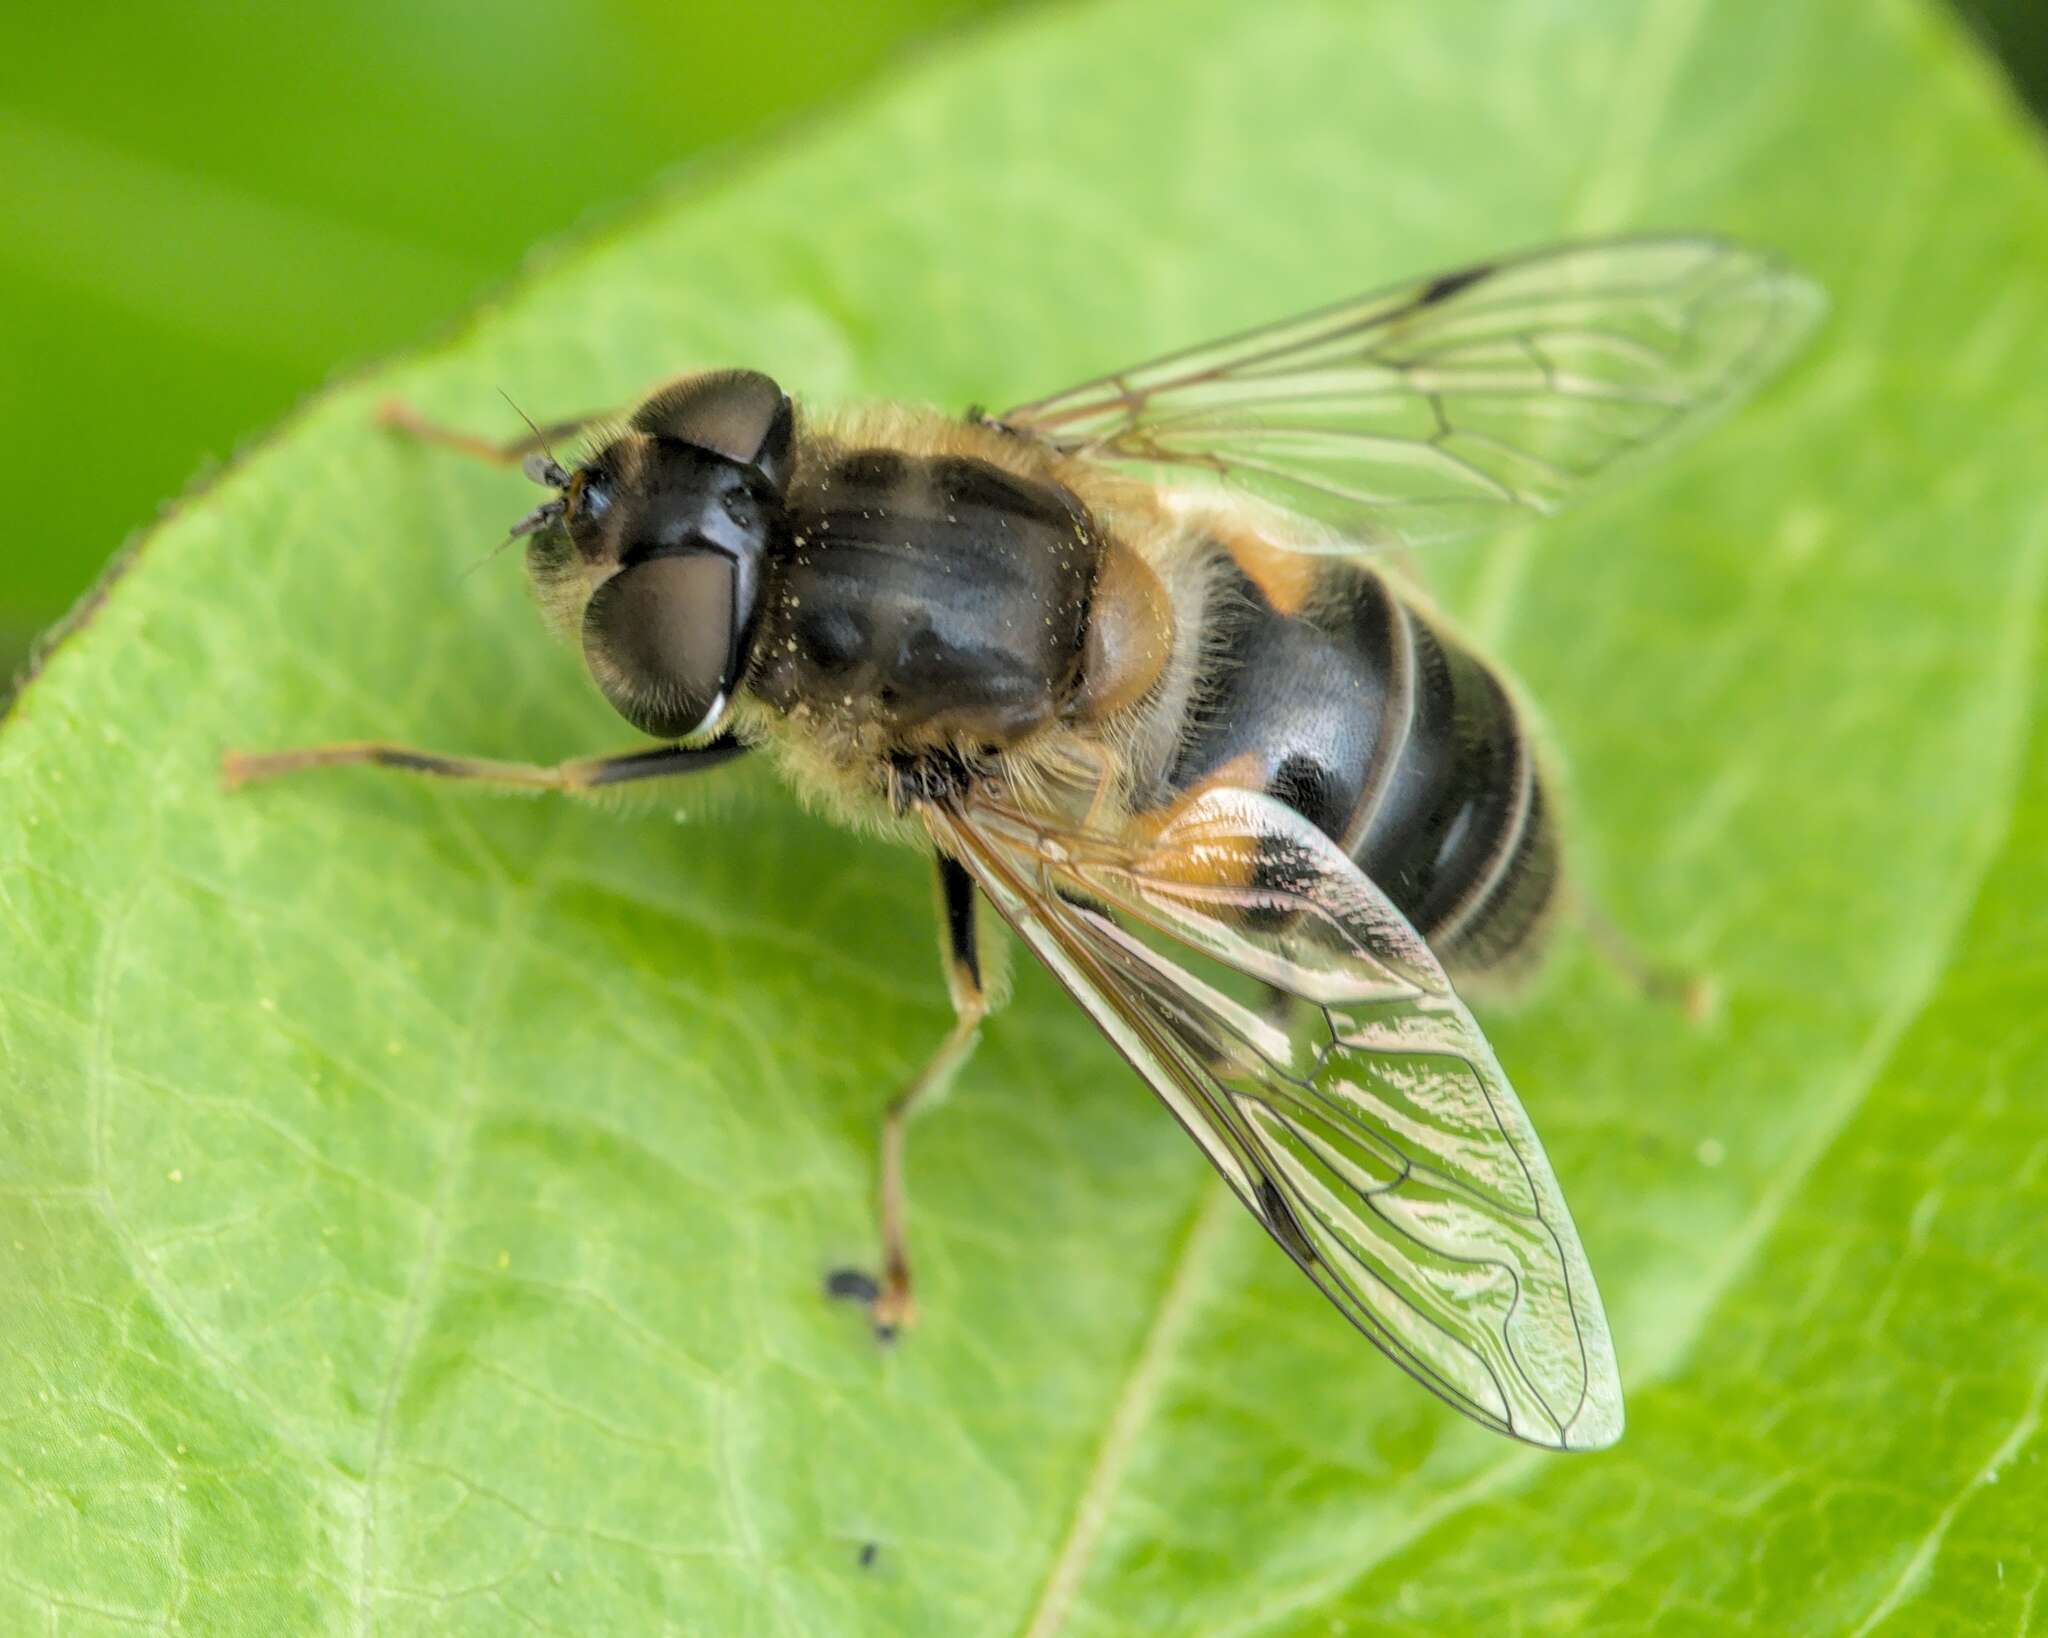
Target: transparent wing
[1433,409]
[1383,1147]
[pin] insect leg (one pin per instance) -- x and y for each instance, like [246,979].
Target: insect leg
[1694,994]
[400,416]
[892,1307]
[238,768]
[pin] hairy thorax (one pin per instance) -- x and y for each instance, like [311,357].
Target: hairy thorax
[944,594]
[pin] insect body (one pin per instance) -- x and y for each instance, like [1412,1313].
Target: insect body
[1190,744]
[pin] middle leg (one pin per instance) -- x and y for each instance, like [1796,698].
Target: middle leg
[891,1306]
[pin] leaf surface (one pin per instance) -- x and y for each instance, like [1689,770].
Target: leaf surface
[413,1204]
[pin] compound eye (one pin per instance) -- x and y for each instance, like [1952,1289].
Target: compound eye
[658,638]
[739,414]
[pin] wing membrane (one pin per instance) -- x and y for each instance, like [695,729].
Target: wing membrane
[1383,1147]
[1439,407]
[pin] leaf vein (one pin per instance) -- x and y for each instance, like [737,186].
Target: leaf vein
[1134,1406]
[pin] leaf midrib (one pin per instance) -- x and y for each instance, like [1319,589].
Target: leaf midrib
[1186,1271]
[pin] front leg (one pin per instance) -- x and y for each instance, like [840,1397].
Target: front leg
[891,1306]
[238,768]
[400,416]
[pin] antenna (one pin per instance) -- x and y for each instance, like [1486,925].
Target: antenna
[542,468]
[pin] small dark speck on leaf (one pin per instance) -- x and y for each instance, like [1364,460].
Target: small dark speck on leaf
[869,1552]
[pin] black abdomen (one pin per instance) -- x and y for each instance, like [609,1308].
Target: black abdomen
[1393,740]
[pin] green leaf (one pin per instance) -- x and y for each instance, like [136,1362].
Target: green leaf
[414,1204]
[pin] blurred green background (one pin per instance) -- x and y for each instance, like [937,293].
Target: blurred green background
[208,208]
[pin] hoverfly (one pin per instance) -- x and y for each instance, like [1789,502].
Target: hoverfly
[1196,749]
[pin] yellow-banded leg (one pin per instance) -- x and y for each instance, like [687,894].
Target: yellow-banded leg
[890,1303]
[238,768]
